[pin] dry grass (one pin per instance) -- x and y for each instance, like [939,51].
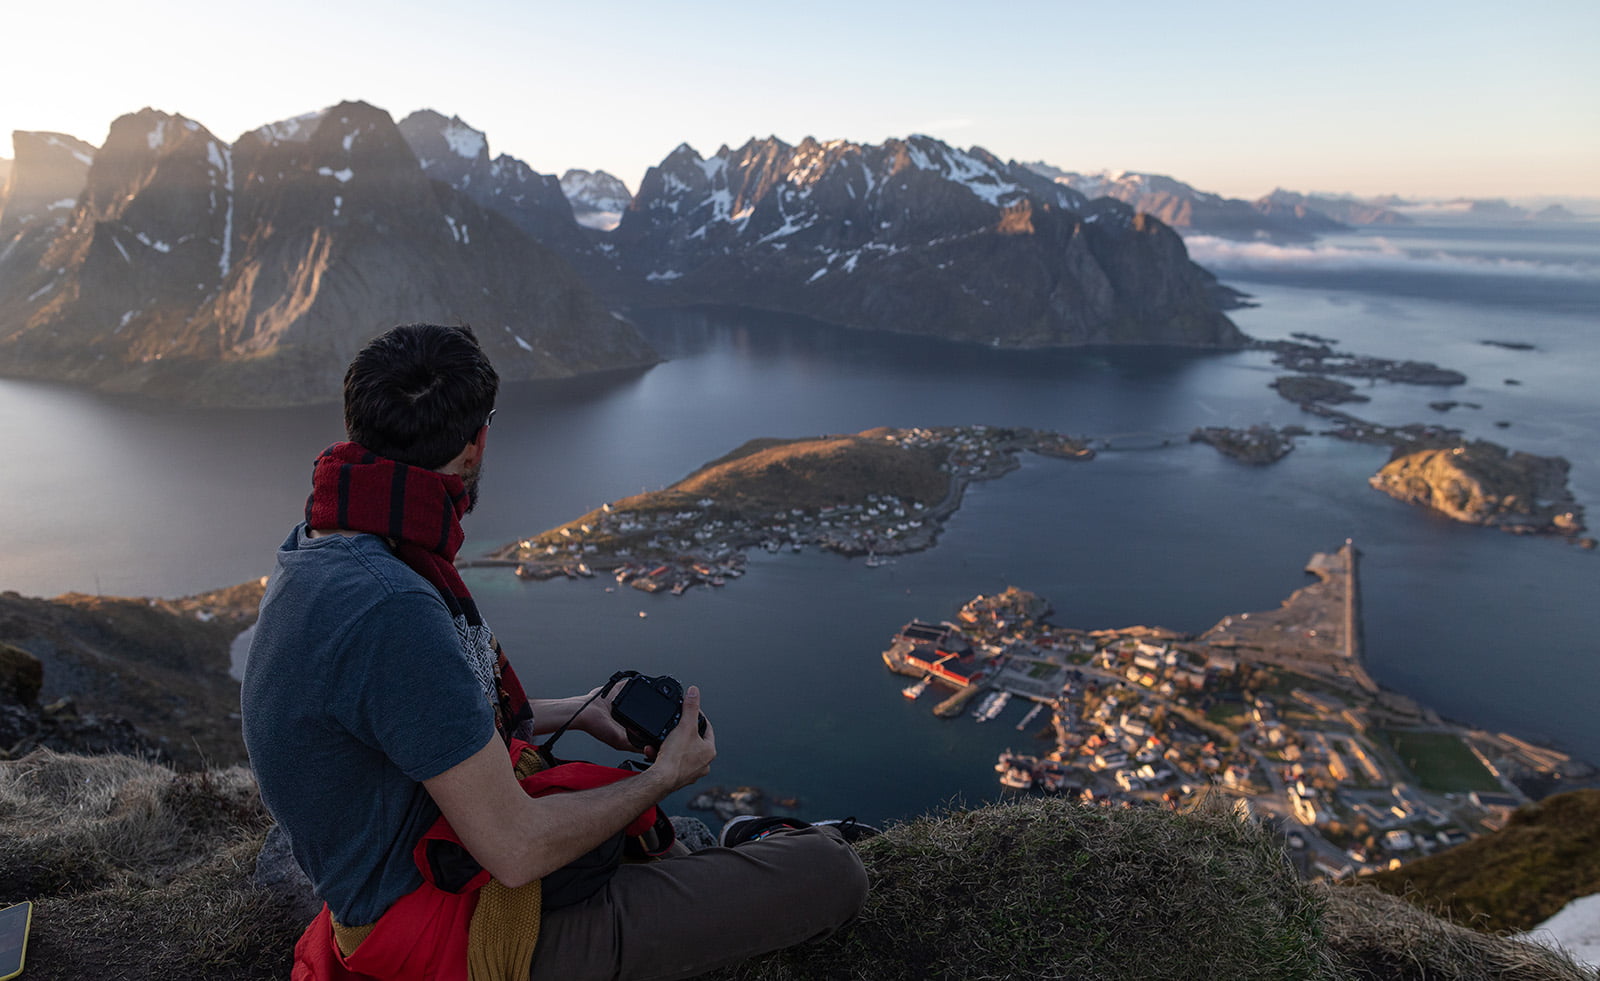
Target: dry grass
[141,873]
[138,872]
[1545,856]
[1048,889]
[1378,936]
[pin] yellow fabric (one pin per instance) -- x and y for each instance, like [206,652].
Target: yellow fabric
[349,937]
[505,924]
[528,763]
[504,931]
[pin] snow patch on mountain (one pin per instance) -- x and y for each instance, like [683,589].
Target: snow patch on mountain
[55,141]
[295,130]
[464,140]
[221,159]
[598,199]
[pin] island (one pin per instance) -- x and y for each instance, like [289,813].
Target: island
[875,493]
[1273,708]
[1483,483]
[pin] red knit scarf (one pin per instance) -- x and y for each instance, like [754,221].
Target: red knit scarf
[419,512]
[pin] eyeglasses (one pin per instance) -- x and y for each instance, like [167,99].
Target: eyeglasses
[490,419]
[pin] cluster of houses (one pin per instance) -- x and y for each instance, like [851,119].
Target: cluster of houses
[1141,718]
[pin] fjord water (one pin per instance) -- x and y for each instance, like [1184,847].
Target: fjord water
[134,498]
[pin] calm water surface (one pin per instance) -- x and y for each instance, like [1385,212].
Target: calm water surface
[128,497]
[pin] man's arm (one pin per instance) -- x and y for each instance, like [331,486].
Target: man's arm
[520,838]
[588,713]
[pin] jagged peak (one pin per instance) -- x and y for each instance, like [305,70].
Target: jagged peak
[296,129]
[465,140]
[159,130]
[80,150]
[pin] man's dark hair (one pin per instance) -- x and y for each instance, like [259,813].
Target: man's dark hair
[419,393]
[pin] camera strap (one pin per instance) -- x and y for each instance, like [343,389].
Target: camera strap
[546,747]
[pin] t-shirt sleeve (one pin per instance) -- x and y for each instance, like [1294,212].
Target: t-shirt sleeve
[404,688]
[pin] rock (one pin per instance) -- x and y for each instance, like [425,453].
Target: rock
[21,675]
[1257,445]
[278,873]
[1481,483]
[1315,388]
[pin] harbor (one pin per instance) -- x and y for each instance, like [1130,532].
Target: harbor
[1274,708]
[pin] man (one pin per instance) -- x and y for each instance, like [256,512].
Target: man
[376,701]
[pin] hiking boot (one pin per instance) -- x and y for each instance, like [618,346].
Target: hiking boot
[850,829]
[750,827]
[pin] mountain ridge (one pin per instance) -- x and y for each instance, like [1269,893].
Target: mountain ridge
[249,274]
[913,236]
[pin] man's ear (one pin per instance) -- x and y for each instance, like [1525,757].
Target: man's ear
[473,452]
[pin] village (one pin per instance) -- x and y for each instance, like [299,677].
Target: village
[1268,708]
[675,539]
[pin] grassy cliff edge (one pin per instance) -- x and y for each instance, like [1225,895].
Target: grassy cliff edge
[140,872]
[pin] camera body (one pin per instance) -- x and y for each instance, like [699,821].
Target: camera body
[649,708]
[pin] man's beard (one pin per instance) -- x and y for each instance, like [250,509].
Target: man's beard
[470,478]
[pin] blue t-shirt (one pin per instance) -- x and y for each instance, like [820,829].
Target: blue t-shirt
[355,690]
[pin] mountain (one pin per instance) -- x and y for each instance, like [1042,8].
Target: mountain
[914,236]
[250,274]
[598,199]
[1184,206]
[1349,210]
[43,180]
[451,151]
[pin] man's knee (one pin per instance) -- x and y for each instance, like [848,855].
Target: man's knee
[835,879]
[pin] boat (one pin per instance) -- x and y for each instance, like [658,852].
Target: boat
[992,705]
[679,587]
[1017,778]
[914,691]
[584,570]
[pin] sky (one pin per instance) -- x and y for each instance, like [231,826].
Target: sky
[1420,98]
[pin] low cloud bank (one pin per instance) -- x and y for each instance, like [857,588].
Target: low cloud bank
[1228,255]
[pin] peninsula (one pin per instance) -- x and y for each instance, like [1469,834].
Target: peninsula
[1272,708]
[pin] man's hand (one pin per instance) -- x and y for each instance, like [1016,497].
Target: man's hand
[520,838]
[596,720]
[685,755]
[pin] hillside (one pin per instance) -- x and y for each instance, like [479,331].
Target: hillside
[74,670]
[146,874]
[1547,854]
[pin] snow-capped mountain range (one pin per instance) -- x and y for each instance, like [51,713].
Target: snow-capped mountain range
[250,273]
[911,235]
[171,262]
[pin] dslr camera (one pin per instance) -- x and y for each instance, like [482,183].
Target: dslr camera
[648,708]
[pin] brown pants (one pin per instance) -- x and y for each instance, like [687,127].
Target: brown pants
[680,917]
